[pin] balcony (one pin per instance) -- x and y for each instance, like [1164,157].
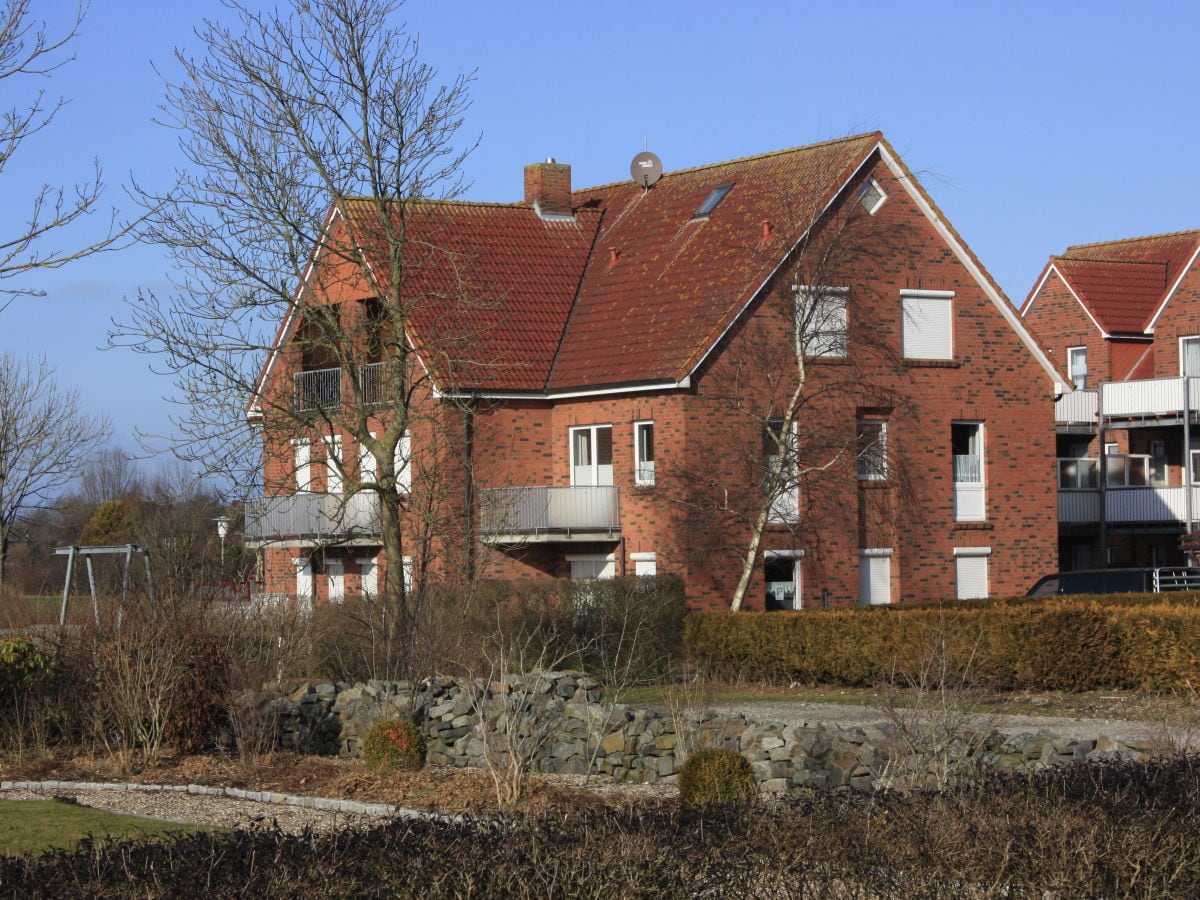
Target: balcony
[1154,401]
[313,517]
[1077,408]
[549,514]
[318,389]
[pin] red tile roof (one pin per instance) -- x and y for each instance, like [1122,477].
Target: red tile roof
[662,286]
[1123,283]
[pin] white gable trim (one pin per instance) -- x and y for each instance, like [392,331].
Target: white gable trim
[1006,309]
[254,412]
[1053,269]
[1171,293]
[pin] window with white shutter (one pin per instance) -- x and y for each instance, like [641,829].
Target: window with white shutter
[875,576]
[971,572]
[927,324]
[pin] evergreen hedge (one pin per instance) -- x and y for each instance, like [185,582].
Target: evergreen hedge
[1147,642]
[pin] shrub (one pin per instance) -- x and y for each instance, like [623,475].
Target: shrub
[394,744]
[716,776]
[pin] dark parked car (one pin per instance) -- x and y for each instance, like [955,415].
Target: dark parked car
[1118,581]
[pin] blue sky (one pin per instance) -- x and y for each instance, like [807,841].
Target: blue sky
[1033,125]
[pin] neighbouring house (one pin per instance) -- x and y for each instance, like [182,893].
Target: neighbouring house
[631,379]
[1123,318]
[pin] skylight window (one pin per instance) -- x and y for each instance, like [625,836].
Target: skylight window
[717,195]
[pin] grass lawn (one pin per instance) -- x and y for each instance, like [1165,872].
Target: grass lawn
[36,826]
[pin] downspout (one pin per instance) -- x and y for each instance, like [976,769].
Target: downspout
[1187,460]
[1103,481]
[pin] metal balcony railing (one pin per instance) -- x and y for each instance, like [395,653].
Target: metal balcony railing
[541,510]
[1077,408]
[314,516]
[317,389]
[1150,397]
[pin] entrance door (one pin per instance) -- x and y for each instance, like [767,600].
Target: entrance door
[782,576]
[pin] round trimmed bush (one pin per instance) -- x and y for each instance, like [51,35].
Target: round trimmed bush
[394,744]
[716,776]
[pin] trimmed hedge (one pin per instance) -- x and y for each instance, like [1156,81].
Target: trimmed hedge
[1148,642]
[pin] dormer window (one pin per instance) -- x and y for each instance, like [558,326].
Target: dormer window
[871,196]
[713,199]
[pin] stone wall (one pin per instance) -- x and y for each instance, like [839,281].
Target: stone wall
[559,722]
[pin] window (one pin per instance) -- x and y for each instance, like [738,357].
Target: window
[871,196]
[403,463]
[1077,366]
[644,563]
[1196,467]
[1189,356]
[1158,463]
[368,577]
[590,566]
[333,464]
[971,572]
[781,573]
[302,452]
[966,443]
[782,489]
[710,203]
[875,577]
[872,450]
[366,463]
[335,575]
[928,324]
[821,321]
[643,448]
[591,455]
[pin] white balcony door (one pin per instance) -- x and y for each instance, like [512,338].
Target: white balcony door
[368,577]
[966,439]
[304,578]
[591,455]
[303,463]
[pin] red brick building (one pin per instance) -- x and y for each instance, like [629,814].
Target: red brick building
[1123,318]
[617,383]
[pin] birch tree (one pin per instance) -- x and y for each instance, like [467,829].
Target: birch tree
[285,115]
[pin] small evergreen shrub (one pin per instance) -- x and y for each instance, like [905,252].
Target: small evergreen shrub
[716,776]
[394,744]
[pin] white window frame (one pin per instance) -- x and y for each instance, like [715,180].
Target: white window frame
[865,190]
[1183,345]
[644,563]
[1077,373]
[873,459]
[302,458]
[875,576]
[927,324]
[821,321]
[643,468]
[970,568]
[598,472]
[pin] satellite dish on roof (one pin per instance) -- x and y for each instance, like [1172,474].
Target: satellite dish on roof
[646,168]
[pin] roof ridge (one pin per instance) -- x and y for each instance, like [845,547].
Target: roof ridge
[1130,240]
[877,135]
[482,204]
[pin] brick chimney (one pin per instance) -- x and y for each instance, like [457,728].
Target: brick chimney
[548,188]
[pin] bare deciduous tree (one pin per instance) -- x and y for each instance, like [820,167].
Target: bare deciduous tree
[29,52]
[312,130]
[44,436]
